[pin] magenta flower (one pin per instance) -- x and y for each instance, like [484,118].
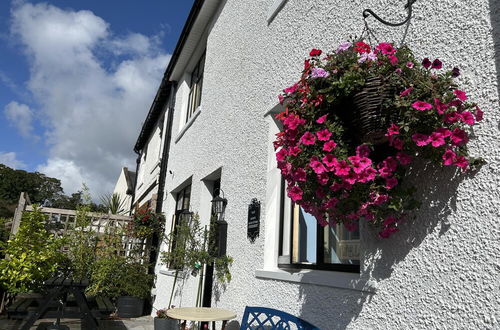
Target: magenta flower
[410,65]
[459,137]
[293,121]
[329,160]
[420,139]
[342,168]
[462,162]
[393,59]
[406,92]
[388,231]
[440,107]
[426,63]
[390,220]
[479,114]
[329,146]
[455,72]
[437,64]
[380,199]
[392,130]
[363,150]
[351,178]
[460,94]
[281,155]
[317,166]
[359,163]
[281,98]
[291,89]
[452,117]
[367,57]
[386,48]
[324,135]
[295,193]
[331,203]
[323,179]
[468,118]
[368,174]
[404,159]
[294,151]
[397,143]
[321,119]
[444,132]
[308,138]
[319,73]
[421,105]
[391,182]
[299,175]
[436,139]
[449,157]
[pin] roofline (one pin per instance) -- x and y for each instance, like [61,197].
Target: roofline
[164,89]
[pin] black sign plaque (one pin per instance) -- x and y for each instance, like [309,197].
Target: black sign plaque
[253,220]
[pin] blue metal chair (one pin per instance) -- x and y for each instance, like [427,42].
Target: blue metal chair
[263,318]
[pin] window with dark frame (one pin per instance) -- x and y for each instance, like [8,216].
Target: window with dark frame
[195,87]
[306,244]
[182,203]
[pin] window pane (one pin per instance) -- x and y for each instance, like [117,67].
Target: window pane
[304,236]
[340,245]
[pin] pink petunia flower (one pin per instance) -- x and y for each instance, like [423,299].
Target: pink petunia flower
[410,65]
[386,48]
[392,130]
[444,132]
[391,182]
[397,144]
[380,199]
[342,168]
[479,114]
[449,157]
[437,139]
[293,121]
[308,138]
[468,118]
[329,146]
[440,106]
[319,73]
[393,59]
[281,98]
[406,92]
[422,106]
[329,160]
[420,139]
[437,64]
[426,63]
[459,137]
[368,174]
[281,154]
[299,175]
[452,117]
[351,178]
[291,89]
[363,150]
[460,94]
[321,119]
[462,162]
[404,159]
[388,231]
[294,151]
[295,193]
[390,220]
[324,135]
[323,179]
[317,166]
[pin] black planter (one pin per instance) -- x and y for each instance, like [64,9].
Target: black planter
[129,306]
[166,324]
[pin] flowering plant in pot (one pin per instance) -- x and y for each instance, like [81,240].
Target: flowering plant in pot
[354,123]
[163,322]
[146,223]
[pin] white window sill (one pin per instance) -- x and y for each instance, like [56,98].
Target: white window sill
[319,277]
[188,124]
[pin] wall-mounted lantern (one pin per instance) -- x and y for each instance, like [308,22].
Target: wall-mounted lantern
[219,207]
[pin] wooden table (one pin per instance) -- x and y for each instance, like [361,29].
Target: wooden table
[202,314]
[59,288]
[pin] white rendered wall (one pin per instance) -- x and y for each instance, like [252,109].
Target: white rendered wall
[442,271]
[121,188]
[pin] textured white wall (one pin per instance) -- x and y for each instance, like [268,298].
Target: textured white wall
[121,188]
[440,271]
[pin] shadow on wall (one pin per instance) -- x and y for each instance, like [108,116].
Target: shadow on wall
[495,23]
[437,188]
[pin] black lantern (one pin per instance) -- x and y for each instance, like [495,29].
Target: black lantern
[219,206]
[186,216]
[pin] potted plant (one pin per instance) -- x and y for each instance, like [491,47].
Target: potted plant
[134,285]
[356,121]
[163,322]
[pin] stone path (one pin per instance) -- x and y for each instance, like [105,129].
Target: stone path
[141,323]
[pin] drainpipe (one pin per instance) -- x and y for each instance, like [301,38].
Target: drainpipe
[137,162]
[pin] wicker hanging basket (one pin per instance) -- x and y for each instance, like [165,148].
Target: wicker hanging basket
[368,119]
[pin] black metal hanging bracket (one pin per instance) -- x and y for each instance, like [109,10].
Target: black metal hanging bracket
[408,6]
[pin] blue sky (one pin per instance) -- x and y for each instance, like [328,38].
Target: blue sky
[76,81]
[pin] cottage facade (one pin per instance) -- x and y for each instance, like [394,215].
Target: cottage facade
[217,99]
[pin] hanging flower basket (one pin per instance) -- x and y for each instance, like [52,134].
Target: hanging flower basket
[355,122]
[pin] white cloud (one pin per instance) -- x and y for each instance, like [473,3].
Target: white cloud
[10,159]
[92,104]
[20,116]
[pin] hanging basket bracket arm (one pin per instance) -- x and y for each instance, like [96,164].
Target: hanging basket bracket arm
[408,6]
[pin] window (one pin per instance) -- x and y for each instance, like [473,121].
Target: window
[196,86]
[306,244]
[182,203]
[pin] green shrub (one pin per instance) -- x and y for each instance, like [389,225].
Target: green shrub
[33,255]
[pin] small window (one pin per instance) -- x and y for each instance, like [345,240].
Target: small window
[182,203]
[306,244]
[196,86]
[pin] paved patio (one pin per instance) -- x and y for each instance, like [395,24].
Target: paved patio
[141,323]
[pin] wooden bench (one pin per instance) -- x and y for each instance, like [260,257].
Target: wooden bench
[104,306]
[268,318]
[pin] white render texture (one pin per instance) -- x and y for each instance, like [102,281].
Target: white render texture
[121,188]
[441,271]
